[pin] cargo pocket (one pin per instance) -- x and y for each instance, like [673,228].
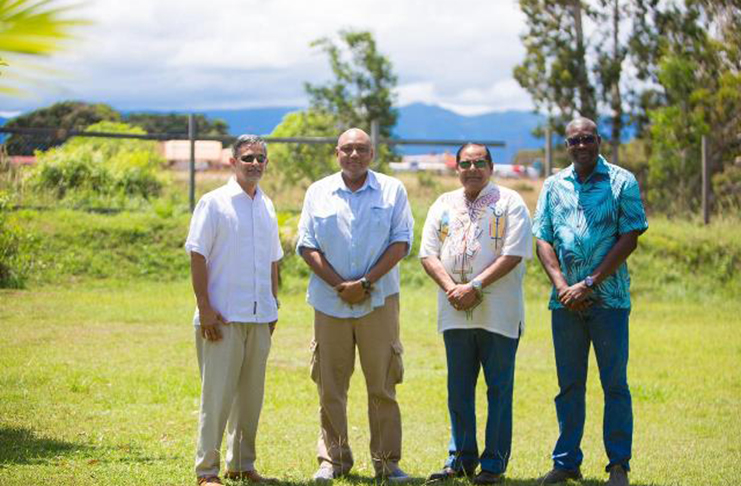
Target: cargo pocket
[314,366]
[396,367]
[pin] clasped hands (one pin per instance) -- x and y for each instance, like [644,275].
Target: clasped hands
[574,297]
[352,292]
[463,297]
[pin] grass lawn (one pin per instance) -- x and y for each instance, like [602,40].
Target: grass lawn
[99,386]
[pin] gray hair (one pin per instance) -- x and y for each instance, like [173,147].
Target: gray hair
[249,139]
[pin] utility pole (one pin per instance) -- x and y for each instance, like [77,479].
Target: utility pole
[192,138]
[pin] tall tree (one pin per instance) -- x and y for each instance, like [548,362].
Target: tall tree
[32,27]
[554,70]
[363,84]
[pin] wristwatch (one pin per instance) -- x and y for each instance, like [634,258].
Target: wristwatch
[478,287]
[589,282]
[366,283]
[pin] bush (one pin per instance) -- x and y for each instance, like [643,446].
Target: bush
[93,172]
[15,260]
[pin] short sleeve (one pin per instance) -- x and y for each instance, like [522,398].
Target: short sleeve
[519,236]
[542,222]
[631,215]
[431,244]
[306,237]
[202,229]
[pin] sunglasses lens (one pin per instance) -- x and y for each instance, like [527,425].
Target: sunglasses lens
[465,164]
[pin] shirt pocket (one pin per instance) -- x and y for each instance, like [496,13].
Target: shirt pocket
[381,219]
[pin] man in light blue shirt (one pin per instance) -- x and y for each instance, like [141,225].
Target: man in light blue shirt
[356,225]
[587,223]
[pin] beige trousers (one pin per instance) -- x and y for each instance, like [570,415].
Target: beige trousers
[232,388]
[376,336]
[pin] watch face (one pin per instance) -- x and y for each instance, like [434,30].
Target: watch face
[589,281]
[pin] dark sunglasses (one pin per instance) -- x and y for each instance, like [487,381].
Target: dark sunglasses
[251,158]
[479,164]
[584,139]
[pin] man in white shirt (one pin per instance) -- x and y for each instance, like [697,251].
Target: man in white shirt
[473,245]
[234,252]
[355,227]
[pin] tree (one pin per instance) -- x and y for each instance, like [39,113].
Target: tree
[68,115]
[699,70]
[554,70]
[32,27]
[177,123]
[304,163]
[362,89]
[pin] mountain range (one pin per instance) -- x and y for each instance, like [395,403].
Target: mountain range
[417,120]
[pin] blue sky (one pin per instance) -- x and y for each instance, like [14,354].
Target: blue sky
[220,54]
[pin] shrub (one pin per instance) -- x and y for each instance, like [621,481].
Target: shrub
[101,171]
[15,260]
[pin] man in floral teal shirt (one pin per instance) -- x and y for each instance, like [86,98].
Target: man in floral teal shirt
[587,223]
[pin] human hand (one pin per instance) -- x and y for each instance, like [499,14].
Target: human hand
[211,321]
[272,326]
[352,292]
[462,297]
[575,296]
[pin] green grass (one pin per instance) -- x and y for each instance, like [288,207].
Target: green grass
[99,386]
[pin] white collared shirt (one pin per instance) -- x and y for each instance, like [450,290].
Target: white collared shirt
[467,238]
[238,236]
[353,230]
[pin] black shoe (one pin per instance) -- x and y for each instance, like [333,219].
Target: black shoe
[486,477]
[556,476]
[448,473]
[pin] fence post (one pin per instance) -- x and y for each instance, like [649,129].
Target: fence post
[547,166]
[375,136]
[192,138]
[705,180]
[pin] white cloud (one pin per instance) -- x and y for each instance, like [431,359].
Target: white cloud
[187,54]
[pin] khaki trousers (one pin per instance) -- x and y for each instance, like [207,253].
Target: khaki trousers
[232,388]
[376,336]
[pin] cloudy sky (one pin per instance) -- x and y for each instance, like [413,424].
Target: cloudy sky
[220,54]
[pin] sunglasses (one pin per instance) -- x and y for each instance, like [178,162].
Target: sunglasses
[479,164]
[251,158]
[584,139]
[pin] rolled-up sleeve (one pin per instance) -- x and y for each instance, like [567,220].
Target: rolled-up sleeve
[402,221]
[306,237]
[542,224]
[202,230]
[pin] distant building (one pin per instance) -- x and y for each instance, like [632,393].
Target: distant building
[208,154]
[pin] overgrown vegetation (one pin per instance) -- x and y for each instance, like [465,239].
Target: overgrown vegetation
[101,172]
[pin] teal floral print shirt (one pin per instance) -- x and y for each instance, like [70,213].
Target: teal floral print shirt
[583,220]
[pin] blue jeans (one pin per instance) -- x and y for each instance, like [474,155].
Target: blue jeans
[573,332]
[467,350]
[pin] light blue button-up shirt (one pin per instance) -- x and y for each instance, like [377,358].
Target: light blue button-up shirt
[353,230]
[583,220]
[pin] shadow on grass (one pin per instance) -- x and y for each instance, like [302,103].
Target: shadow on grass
[19,445]
[354,479]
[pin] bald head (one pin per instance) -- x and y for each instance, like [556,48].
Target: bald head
[355,134]
[580,124]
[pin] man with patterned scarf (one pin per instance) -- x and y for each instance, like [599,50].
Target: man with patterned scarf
[474,244]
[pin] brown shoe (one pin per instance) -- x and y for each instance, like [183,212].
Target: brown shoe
[251,476]
[487,477]
[209,481]
[618,476]
[556,476]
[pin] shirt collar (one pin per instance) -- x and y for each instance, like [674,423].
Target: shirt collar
[234,189]
[338,183]
[599,168]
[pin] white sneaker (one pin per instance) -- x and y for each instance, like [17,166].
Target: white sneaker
[325,473]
